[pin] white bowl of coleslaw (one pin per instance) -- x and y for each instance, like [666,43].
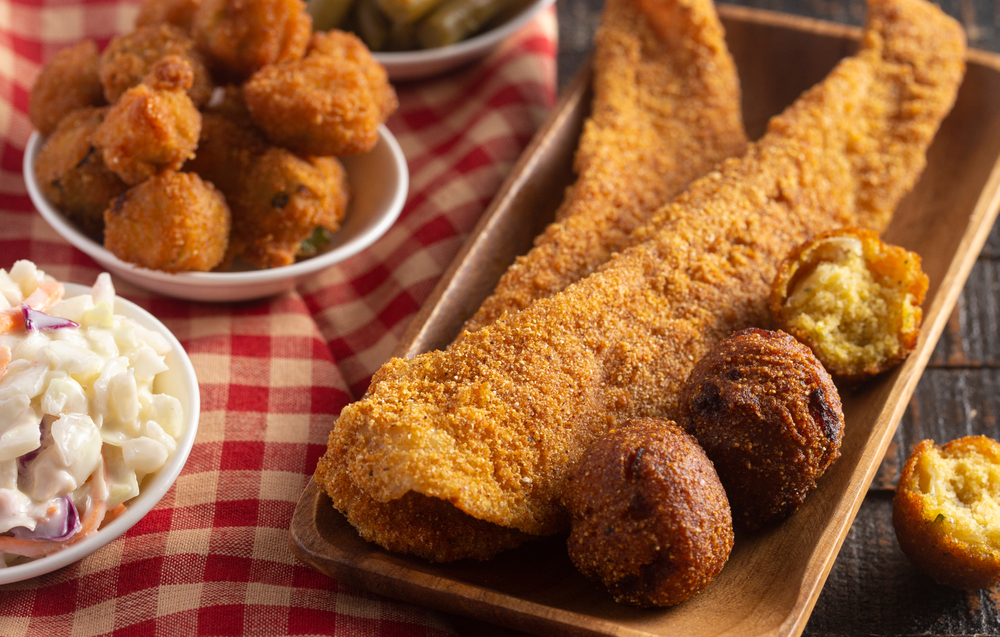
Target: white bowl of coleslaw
[138,493]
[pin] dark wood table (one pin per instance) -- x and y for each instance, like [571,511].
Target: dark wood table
[872,588]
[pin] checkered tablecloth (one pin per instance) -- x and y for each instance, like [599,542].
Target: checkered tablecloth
[213,557]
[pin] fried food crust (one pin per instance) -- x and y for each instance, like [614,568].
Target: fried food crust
[71,173]
[129,58]
[226,149]
[329,103]
[494,423]
[283,198]
[179,13]
[666,109]
[650,519]
[239,37]
[769,417]
[68,82]
[153,127]
[414,524]
[945,511]
[628,40]
[173,222]
[853,299]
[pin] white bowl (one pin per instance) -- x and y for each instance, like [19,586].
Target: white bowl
[409,65]
[379,181]
[178,381]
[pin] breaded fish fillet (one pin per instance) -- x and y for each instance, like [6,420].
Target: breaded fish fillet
[666,110]
[493,424]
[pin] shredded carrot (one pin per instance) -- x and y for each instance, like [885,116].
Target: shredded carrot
[47,294]
[97,508]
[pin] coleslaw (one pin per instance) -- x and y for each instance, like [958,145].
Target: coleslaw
[80,424]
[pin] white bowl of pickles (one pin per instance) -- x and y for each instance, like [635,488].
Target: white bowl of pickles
[416,39]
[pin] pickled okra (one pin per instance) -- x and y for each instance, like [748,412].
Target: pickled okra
[456,20]
[328,14]
[407,11]
[372,26]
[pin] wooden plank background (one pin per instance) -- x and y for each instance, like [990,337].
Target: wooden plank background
[872,589]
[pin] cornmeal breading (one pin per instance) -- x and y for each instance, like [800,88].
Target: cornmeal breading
[493,424]
[666,110]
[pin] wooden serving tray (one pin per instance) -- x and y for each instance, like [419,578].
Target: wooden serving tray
[773,578]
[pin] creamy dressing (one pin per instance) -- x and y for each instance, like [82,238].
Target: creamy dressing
[77,410]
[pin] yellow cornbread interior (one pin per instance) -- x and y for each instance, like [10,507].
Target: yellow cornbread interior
[849,316]
[962,494]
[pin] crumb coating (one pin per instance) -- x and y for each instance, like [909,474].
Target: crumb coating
[154,126]
[129,58]
[329,103]
[650,519]
[173,222]
[239,37]
[666,109]
[946,512]
[179,13]
[853,299]
[494,423]
[67,82]
[770,418]
[284,197]
[71,173]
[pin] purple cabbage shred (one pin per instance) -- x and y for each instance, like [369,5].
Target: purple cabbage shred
[62,526]
[35,320]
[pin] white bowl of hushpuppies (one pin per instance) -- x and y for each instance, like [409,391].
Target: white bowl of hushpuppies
[220,151]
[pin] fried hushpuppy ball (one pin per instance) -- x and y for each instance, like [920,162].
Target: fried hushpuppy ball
[173,222]
[154,126]
[228,143]
[769,417]
[71,173]
[650,519]
[240,37]
[179,13]
[226,148]
[853,299]
[129,58]
[329,103]
[946,511]
[282,202]
[68,82]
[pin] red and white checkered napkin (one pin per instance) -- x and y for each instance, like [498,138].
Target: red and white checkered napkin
[213,557]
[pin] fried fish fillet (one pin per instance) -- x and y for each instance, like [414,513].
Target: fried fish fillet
[666,110]
[493,424]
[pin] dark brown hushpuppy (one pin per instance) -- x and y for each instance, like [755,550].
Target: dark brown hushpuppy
[650,518]
[769,417]
[945,511]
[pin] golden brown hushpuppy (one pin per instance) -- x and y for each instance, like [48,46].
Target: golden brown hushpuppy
[153,127]
[284,199]
[853,299]
[947,511]
[239,37]
[173,222]
[129,58]
[769,417]
[68,82]
[650,519]
[179,13]
[329,103]
[71,173]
